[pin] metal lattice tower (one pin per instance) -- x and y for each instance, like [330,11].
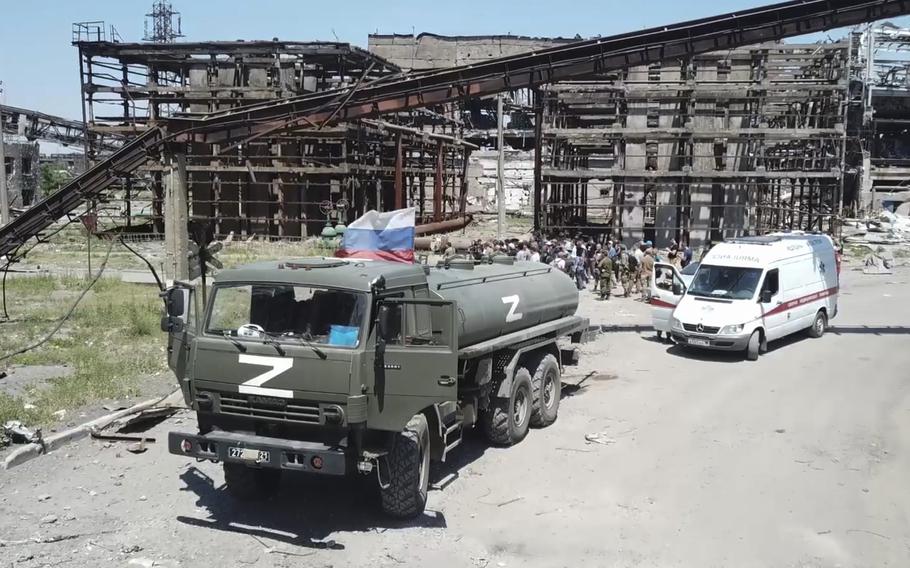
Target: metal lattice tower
[161,22]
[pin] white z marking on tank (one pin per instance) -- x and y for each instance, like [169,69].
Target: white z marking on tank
[512,315]
[278,365]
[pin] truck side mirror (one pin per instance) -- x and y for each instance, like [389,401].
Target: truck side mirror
[176,307]
[176,300]
[384,323]
[678,289]
[766,296]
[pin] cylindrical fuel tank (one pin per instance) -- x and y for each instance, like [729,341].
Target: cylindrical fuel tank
[502,297]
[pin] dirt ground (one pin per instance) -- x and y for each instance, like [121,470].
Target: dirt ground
[797,460]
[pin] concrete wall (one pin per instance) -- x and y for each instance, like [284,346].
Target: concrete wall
[22,173]
[519,176]
[427,51]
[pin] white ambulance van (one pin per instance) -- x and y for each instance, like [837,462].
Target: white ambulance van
[749,291]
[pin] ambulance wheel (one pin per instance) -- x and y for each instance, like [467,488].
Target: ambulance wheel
[819,325]
[754,346]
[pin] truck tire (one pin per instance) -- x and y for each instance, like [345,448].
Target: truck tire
[547,387]
[246,483]
[506,421]
[409,471]
[754,346]
[819,325]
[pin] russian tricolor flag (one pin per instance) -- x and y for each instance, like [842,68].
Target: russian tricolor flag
[381,236]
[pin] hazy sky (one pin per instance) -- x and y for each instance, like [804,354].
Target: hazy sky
[39,69]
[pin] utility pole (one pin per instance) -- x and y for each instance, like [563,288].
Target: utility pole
[4,194]
[500,170]
[176,238]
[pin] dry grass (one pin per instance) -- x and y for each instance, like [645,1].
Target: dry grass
[111,340]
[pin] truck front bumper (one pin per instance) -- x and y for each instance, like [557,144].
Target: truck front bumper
[252,450]
[716,342]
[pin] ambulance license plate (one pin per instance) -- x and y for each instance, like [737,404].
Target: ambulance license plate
[699,342]
[249,454]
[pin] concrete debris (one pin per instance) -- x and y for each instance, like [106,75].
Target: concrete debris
[143,420]
[599,438]
[878,262]
[883,228]
[48,519]
[33,450]
[43,498]
[19,433]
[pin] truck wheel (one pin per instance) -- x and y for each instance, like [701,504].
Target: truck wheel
[754,345]
[409,471]
[506,421]
[547,387]
[249,483]
[819,325]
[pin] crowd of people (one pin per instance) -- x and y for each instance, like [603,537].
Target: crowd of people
[600,266]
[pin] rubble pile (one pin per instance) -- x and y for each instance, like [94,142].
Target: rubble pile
[883,228]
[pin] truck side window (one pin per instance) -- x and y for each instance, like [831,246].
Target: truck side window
[772,282]
[394,333]
[429,326]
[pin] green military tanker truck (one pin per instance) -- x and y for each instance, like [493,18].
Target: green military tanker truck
[338,367]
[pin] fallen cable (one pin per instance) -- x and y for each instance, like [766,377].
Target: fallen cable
[145,260]
[68,313]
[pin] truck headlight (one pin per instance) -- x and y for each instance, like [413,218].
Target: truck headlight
[732,329]
[676,324]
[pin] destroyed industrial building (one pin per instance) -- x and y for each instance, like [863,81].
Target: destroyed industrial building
[697,140]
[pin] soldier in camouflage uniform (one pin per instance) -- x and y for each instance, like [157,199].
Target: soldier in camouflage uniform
[606,277]
[625,272]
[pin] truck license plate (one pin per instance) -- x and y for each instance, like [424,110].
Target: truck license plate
[699,342]
[249,454]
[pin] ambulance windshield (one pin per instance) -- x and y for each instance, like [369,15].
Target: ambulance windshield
[727,282]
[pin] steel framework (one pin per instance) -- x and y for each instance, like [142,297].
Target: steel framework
[397,94]
[711,147]
[34,125]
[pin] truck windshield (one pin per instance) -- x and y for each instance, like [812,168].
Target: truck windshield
[316,315]
[732,283]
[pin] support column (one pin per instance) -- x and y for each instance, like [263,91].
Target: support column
[4,195]
[399,165]
[500,170]
[538,156]
[176,238]
[437,184]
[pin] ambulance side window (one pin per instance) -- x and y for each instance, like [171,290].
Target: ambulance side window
[772,282]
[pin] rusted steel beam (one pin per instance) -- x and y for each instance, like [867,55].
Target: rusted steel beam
[443,226]
[383,125]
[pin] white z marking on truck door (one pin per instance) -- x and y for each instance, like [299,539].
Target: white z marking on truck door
[512,315]
[278,365]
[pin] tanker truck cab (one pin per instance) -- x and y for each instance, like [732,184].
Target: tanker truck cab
[343,367]
[752,290]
